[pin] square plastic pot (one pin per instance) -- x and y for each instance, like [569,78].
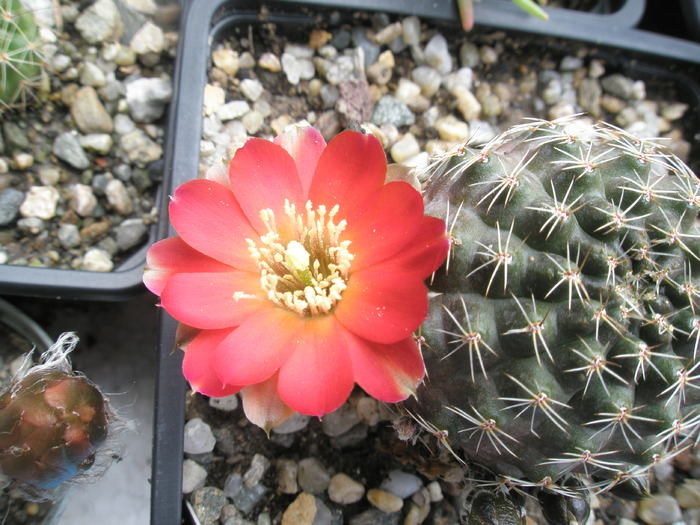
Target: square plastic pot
[205,23]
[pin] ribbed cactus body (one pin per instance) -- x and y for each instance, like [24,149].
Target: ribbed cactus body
[52,423]
[565,329]
[20,58]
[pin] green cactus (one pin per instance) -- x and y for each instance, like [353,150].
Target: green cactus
[562,340]
[21,61]
[52,423]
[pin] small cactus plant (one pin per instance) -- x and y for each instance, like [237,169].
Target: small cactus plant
[52,423]
[562,341]
[21,61]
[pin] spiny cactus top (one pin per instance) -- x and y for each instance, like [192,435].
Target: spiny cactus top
[564,335]
[52,422]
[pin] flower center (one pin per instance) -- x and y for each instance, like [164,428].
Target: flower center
[304,266]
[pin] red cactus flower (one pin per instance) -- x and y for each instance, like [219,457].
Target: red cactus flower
[297,274]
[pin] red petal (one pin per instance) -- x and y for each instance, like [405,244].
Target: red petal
[256,349]
[425,253]
[383,223]
[317,376]
[172,255]
[381,305]
[262,176]
[209,300]
[352,166]
[305,144]
[198,365]
[389,373]
[208,218]
[262,405]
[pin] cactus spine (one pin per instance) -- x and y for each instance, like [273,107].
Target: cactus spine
[562,343]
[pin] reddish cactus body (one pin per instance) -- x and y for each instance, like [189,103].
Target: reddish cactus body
[52,423]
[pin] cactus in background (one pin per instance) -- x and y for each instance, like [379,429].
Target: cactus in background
[21,62]
[52,423]
[562,342]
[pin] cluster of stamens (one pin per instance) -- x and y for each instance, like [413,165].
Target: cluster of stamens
[304,266]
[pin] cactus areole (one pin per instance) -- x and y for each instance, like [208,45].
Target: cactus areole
[562,343]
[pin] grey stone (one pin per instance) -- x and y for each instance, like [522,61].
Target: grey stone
[375,517]
[68,235]
[344,490]
[10,201]
[233,484]
[248,497]
[31,225]
[100,22]
[255,473]
[147,98]
[92,75]
[351,438]
[88,112]
[207,503]
[130,233]
[140,148]
[401,484]
[589,96]
[148,39]
[659,510]
[391,111]
[411,30]
[15,137]
[340,421]
[293,424]
[225,404]
[194,476]
[618,85]
[370,50]
[198,437]
[82,200]
[437,54]
[286,470]
[312,475]
[67,148]
[428,78]
[118,197]
[340,70]
[100,143]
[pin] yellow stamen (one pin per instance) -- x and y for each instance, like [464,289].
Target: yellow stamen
[309,273]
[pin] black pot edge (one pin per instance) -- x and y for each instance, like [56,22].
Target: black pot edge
[691,13]
[200,21]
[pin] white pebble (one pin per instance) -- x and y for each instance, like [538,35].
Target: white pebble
[251,88]
[193,476]
[41,202]
[437,54]
[405,148]
[97,260]
[199,438]
[225,404]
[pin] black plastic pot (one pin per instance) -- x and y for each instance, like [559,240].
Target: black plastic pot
[123,282]
[205,23]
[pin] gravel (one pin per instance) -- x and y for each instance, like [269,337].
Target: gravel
[89,157]
[421,92]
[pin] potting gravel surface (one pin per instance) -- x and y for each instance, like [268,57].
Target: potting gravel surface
[421,90]
[79,173]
